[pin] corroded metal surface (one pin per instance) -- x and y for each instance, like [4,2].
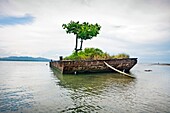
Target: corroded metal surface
[92,66]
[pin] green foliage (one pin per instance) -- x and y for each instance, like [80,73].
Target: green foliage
[88,31]
[122,55]
[93,54]
[72,27]
[82,31]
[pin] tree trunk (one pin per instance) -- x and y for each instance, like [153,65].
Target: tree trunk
[81,44]
[76,44]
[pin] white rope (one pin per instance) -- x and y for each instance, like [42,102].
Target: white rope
[118,70]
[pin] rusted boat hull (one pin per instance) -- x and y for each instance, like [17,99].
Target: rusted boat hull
[92,66]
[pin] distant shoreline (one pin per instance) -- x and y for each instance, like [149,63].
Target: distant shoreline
[23,61]
[163,64]
[24,58]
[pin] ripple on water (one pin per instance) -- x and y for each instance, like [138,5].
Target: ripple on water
[15,99]
[81,108]
[32,87]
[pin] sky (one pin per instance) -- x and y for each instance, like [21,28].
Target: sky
[140,28]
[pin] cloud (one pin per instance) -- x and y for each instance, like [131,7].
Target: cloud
[127,26]
[11,20]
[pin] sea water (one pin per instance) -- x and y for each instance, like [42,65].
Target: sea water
[35,87]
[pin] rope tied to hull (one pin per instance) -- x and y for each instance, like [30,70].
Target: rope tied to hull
[118,70]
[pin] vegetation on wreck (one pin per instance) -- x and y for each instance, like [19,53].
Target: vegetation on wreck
[83,31]
[94,54]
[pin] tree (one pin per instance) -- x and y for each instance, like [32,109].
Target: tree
[82,31]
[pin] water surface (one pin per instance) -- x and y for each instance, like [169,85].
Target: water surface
[35,87]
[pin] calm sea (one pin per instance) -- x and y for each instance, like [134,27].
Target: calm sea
[34,87]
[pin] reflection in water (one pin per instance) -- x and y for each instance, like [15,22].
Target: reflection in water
[32,87]
[88,89]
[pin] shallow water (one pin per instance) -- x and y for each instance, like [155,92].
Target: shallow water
[35,87]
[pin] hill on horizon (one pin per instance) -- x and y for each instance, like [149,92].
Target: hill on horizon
[24,58]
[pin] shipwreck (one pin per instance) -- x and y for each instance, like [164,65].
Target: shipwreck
[93,66]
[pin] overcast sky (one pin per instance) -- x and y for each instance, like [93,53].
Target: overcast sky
[140,28]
